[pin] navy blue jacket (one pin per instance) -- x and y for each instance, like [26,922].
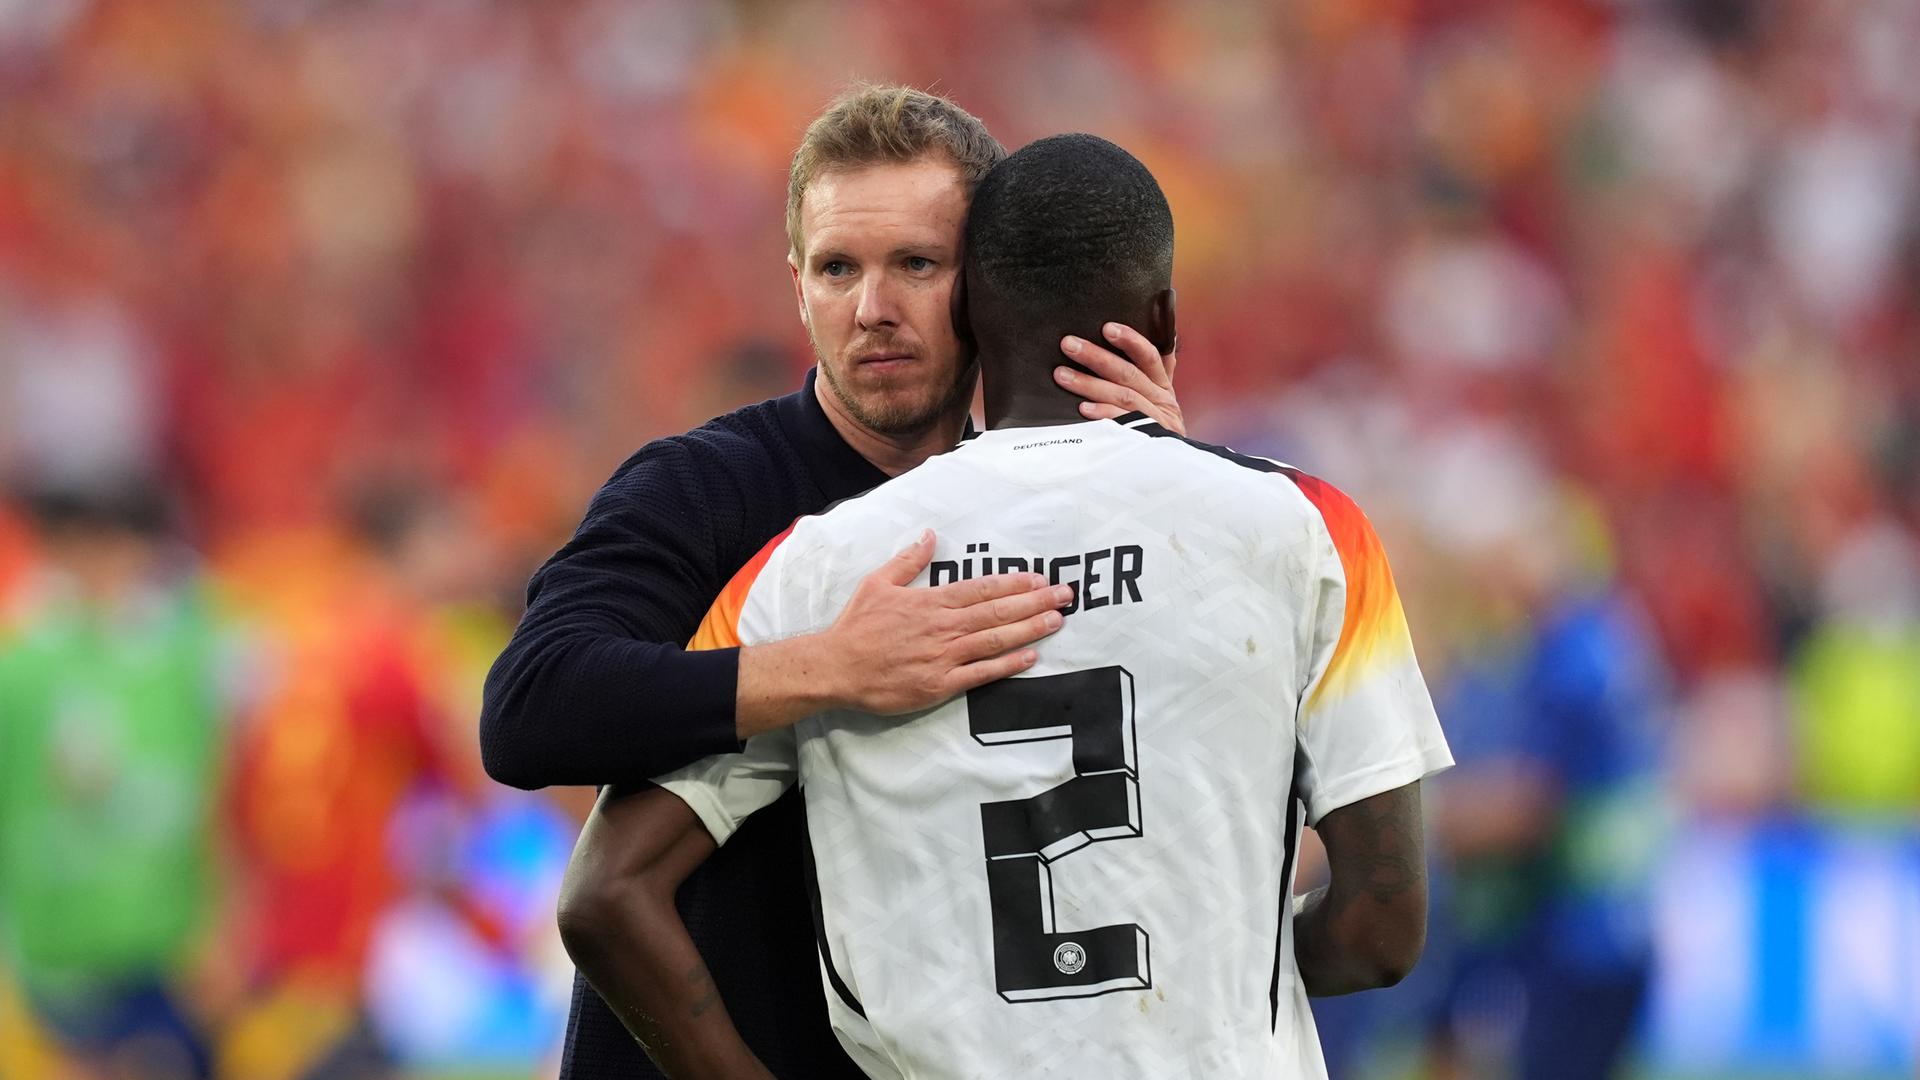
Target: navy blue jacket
[594,688]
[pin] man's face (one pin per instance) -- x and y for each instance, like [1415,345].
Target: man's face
[875,275]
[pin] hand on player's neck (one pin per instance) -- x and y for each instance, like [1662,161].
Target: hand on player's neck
[1016,373]
[1018,355]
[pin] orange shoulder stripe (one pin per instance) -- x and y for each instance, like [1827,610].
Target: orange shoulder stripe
[1374,629]
[721,627]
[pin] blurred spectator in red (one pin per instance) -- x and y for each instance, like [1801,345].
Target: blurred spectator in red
[346,730]
[16,559]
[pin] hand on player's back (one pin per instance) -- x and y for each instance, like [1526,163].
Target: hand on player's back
[1135,378]
[907,648]
[898,648]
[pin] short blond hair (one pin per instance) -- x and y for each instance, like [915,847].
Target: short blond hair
[873,123]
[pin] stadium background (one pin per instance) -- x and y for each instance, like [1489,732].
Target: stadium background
[319,321]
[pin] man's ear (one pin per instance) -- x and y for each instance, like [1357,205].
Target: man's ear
[1161,329]
[799,295]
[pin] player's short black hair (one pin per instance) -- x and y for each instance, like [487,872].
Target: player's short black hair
[1069,225]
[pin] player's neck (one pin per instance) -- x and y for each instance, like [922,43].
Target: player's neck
[893,453]
[1012,397]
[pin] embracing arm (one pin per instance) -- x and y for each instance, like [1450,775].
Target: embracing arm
[594,688]
[619,924]
[1367,926]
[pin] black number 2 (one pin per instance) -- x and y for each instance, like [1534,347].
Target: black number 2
[1033,958]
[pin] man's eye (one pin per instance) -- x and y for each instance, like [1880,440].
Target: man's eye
[919,263]
[835,268]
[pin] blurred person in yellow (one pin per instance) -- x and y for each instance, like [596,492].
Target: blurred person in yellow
[110,754]
[1856,679]
[595,687]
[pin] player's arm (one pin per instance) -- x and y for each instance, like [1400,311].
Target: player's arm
[619,924]
[1366,927]
[617,914]
[1366,734]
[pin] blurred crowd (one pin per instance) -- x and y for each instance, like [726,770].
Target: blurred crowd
[320,320]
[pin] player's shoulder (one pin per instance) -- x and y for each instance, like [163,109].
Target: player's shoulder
[858,521]
[1264,487]
[1214,464]
[846,539]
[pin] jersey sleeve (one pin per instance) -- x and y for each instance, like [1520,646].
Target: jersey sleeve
[725,789]
[1366,724]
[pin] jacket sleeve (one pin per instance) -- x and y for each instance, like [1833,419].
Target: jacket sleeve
[595,687]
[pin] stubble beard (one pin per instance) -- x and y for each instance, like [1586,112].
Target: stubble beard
[889,414]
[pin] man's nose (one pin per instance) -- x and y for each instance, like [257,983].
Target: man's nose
[879,303]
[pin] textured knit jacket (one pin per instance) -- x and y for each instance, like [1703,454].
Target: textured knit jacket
[594,688]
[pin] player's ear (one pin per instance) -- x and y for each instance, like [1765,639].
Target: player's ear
[1160,325]
[799,295]
[962,322]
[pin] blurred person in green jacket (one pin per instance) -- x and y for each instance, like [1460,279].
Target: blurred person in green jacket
[109,760]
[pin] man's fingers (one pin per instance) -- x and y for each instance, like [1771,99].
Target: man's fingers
[904,567]
[1011,609]
[1105,364]
[964,594]
[1097,389]
[1139,378]
[1094,410]
[999,639]
[980,674]
[1144,354]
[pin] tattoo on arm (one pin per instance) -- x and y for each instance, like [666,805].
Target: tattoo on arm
[1370,920]
[1385,837]
[699,979]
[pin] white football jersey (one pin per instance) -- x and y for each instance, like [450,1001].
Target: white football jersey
[1086,871]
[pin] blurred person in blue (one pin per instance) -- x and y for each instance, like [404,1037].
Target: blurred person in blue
[1553,825]
[110,759]
[1548,832]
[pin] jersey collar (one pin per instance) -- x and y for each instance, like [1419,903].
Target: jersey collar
[1110,428]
